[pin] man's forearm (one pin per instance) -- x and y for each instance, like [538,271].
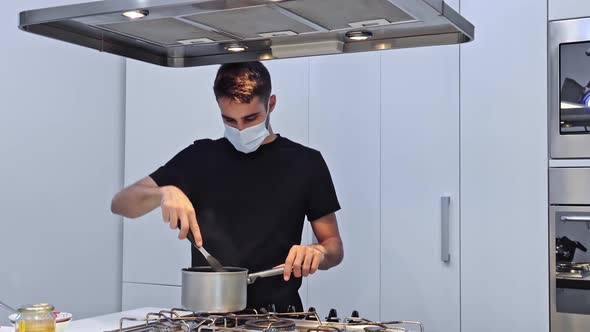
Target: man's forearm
[333,253]
[136,200]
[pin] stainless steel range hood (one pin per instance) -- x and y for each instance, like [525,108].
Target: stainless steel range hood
[182,33]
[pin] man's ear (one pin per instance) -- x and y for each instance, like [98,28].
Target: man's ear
[272,102]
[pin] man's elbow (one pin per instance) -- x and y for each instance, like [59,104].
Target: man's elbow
[118,207]
[339,256]
[335,257]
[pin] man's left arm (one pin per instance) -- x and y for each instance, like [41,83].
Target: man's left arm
[305,260]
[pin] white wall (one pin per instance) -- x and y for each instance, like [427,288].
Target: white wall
[504,224]
[563,9]
[61,162]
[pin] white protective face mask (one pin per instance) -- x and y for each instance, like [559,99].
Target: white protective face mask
[249,139]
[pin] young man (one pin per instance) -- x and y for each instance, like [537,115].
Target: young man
[245,196]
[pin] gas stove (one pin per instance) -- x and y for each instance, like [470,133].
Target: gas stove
[179,320]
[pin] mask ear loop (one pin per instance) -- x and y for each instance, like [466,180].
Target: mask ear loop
[267,120]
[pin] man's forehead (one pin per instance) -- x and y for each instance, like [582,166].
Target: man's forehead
[241,110]
[226,101]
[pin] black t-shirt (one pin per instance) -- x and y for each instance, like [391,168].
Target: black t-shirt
[251,207]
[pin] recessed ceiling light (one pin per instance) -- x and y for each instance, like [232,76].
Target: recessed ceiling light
[136,14]
[359,35]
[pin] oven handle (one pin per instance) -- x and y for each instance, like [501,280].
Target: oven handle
[575,218]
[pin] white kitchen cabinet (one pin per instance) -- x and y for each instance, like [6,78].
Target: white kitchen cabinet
[167,109]
[61,157]
[504,205]
[137,295]
[344,127]
[419,165]
[290,81]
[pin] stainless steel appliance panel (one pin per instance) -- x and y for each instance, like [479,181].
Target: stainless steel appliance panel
[569,186]
[569,88]
[569,216]
[569,306]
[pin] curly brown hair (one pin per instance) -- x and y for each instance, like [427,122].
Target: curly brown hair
[243,81]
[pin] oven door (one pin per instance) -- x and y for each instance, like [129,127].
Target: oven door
[569,296]
[569,88]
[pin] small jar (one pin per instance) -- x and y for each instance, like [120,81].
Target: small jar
[35,318]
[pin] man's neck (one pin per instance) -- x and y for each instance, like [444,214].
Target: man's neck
[271,137]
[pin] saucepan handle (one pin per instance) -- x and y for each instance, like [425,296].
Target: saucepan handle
[267,273]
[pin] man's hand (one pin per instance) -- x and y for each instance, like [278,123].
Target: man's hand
[176,207]
[303,260]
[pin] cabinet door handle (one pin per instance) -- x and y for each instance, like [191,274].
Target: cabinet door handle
[445,219]
[575,218]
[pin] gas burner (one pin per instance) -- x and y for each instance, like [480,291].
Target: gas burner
[324,328]
[167,328]
[270,325]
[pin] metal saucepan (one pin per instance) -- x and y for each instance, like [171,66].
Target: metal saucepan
[204,290]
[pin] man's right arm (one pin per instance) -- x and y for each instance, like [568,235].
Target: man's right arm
[137,199]
[145,195]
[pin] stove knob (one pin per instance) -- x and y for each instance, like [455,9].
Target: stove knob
[271,308]
[263,311]
[310,317]
[291,308]
[333,316]
[355,314]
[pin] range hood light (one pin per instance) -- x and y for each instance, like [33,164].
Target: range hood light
[134,14]
[383,46]
[266,56]
[359,35]
[317,48]
[235,48]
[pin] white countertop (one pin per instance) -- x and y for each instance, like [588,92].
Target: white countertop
[101,323]
[108,322]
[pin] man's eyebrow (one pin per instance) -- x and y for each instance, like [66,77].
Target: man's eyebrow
[249,115]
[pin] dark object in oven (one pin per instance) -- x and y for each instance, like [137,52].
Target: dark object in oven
[565,249]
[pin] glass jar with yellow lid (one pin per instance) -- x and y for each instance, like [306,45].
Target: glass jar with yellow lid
[35,318]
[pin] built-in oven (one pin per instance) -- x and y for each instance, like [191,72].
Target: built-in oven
[569,88]
[569,254]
